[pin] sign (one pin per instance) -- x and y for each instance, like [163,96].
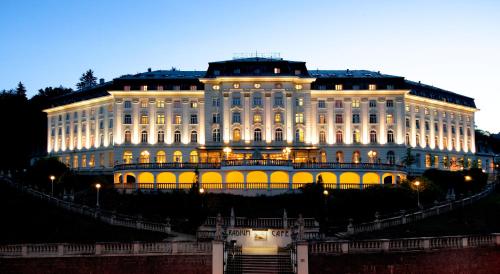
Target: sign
[248,237]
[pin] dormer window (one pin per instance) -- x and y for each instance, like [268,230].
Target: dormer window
[297,72]
[256,85]
[372,87]
[338,87]
[257,71]
[216,72]
[236,71]
[215,87]
[277,71]
[236,85]
[298,87]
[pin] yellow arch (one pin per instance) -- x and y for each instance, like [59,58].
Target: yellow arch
[234,177]
[279,177]
[186,177]
[129,174]
[371,178]
[328,177]
[146,177]
[349,178]
[302,177]
[387,175]
[257,177]
[211,177]
[117,178]
[165,177]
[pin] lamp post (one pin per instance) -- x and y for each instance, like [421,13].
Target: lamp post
[97,187]
[325,204]
[52,178]
[468,178]
[202,191]
[227,150]
[417,184]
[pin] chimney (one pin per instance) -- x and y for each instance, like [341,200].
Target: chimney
[149,69]
[101,81]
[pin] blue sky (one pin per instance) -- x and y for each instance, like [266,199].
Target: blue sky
[454,45]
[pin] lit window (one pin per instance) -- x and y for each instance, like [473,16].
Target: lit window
[216,87]
[299,135]
[277,70]
[193,104]
[426,111]
[236,135]
[299,102]
[298,87]
[236,85]
[144,103]
[144,119]
[177,157]
[193,157]
[299,118]
[160,104]
[407,108]
[389,119]
[161,157]
[144,157]
[338,87]
[277,117]
[160,118]
[256,85]
[257,118]
[356,136]
[355,103]
[372,87]
[177,119]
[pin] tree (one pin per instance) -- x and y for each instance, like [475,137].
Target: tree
[21,90]
[87,80]
[409,159]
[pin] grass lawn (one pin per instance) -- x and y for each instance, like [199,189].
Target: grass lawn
[480,218]
[27,220]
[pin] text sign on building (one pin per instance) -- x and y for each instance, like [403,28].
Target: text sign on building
[260,237]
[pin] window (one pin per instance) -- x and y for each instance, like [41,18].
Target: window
[426,111]
[436,142]
[278,135]
[445,128]
[390,136]
[436,127]
[277,117]
[299,135]
[127,119]
[110,124]
[322,137]
[177,136]
[257,135]
[257,118]
[389,103]
[389,119]
[161,157]
[321,104]
[128,137]
[355,118]
[427,126]
[298,87]
[161,136]
[339,118]
[193,157]
[452,129]
[256,85]
[355,103]
[356,157]
[445,142]
[193,87]
[177,119]
[144,157]
[236,101]
[299,118]
[215,87]
[144,136]
[278,100]
[160,118]
[127,157]
[372,103]
[407,122]
[236,85]
[144,103]
[177,157]
[461,130]
[372,87]
[339,137]
[215,102]
[299,102]
[426,140]
[127,104]
[193,119]
[236,117]
[373,136]
[356,136]
[160,104]
[391,157]
[215,118]
[339,104]
[216,135]
[194,136]
[407,139]
[278,86]
[390,86]
[338,87]
[373,118]
[417,139]
[277,70]
[236,135]
[257,101]
[322,119]
[407,108]
[417,124]
[144,119]
[297,72]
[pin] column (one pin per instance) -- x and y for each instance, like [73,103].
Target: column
[472,134]
[63,141]
[330,120]
[440,129]
[49,136]
[135,122]
[313,124]
[289,118]
[347,121]
[400,121]
[201,121]
[185,121]
[79,144]
[246,118]
[413,130]
[106,128]
[432,134]
[87,132]
[457,134]
[448,126]
[308,118]
[118,120]
[364,121]
[422,132]
[168,121]
[226,118]
[268,118]
[382,132]
[152,122]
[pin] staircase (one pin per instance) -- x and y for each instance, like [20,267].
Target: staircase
[263,264]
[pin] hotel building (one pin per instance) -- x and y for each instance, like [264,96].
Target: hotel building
[262,123]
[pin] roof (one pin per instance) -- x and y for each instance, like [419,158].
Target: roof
[165,74]
[423,90]
[347,73]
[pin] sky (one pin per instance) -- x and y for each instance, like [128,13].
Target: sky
[454,45]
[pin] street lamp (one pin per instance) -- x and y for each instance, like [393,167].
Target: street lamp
[202,190]
[52,178]
[97,186]
[468,178]
[287,151]
[227,150]
[372,154]
[417,184]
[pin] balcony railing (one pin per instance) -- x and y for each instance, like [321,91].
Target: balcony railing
[255,163]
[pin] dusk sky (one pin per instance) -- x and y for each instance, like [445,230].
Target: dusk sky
[454,45]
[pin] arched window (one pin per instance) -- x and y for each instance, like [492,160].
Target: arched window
[356,157]
[339,137]
[144,136]
[257,135]
[390,136]
[161,157]
[128,137]
[322,137]
[278,135]
[110,139]
[161,136]
[339,156]
[127,157]
[436,142]
[391,157]
[177,136]
[236,135]
[216,135]
[177,157]
[407,139]
[356,137]
[373,136]
[144,157]
[417,139]
[194,136]
[299,135]
[193,156]
[101,140]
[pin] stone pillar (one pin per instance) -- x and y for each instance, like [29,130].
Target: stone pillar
[347,121]
[302,258]
[364,113]
[314,121]
[135,121]
[382,135]
[152,136]
[289,118]
[330,121]
[400,121]
[268,115]
[226,118]
[201,122]
[246,117]
[217,257]
[168,121]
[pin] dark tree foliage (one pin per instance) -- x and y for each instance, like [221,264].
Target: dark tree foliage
[21,89]
[87,80]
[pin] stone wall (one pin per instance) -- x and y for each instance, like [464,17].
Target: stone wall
[472,260]
[185,264]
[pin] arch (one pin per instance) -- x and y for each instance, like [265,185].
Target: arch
[146,177]
[130,178]
[256,177]
[127,157]
[118,178]
[166,177]
[194,136]
[279,177]
[302,177]
[177,136]
[391,157]
[236,135]
[144,157]
[388,178]
[211,177]
[177,156]
[299,135]
[356,157]
[144,136]
[328,177]
[235,177]
[193,156]
[161,157]
[187,177]
[257,135]
[339,156]
[349,178]
[371,178]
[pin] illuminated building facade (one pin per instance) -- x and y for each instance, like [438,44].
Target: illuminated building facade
[262,123]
